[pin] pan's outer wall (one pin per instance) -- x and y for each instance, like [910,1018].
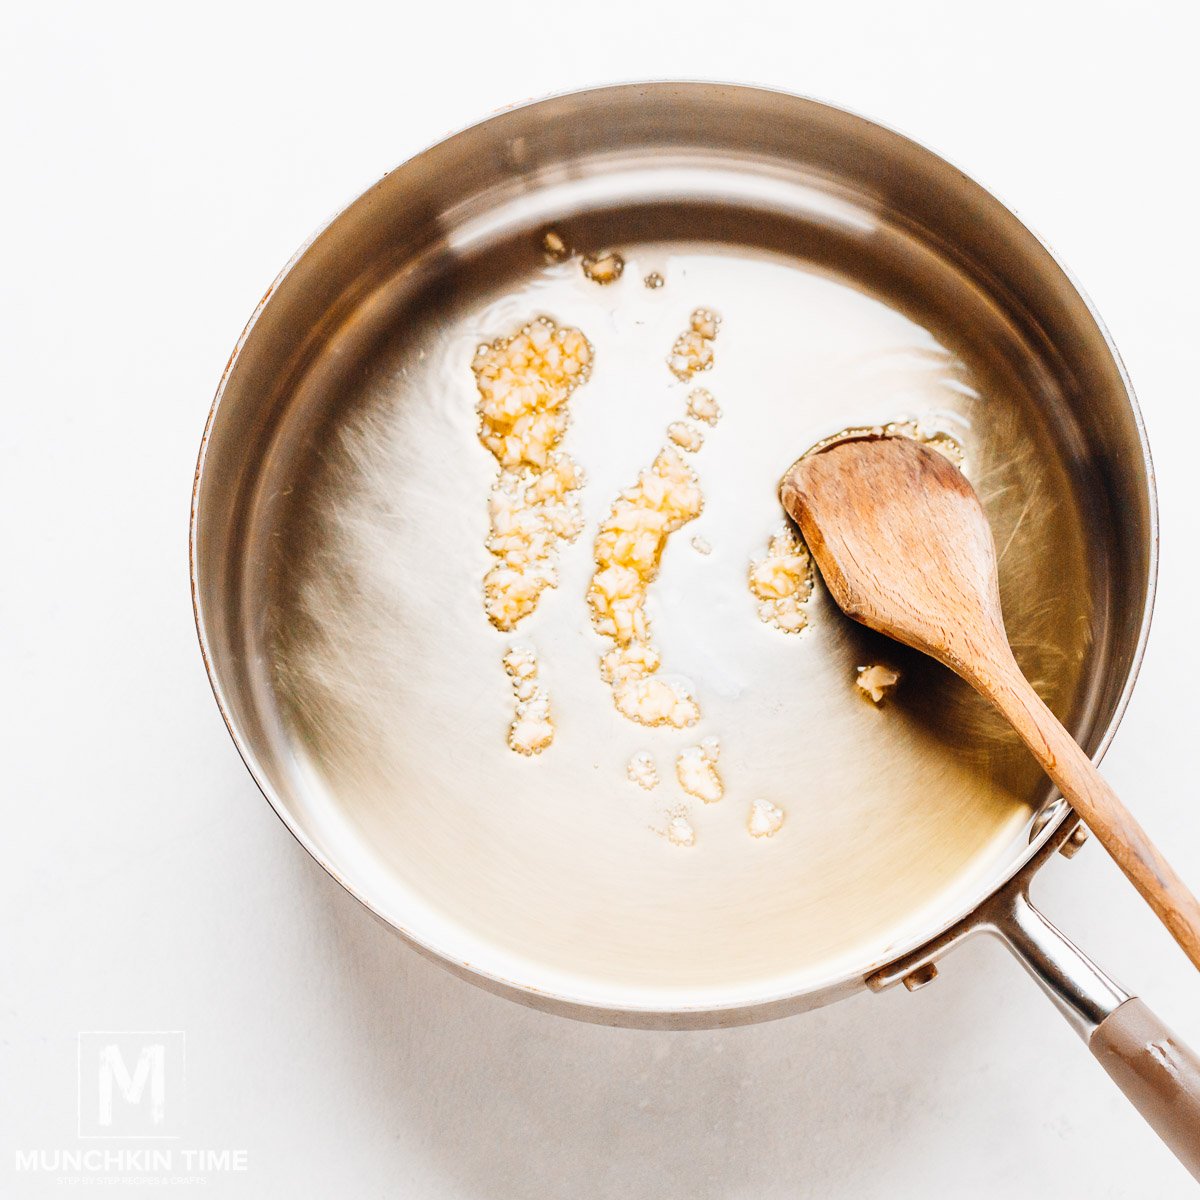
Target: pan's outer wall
[410,212]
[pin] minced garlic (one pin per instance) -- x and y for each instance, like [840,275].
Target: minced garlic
[604,268]
[693,349]
[554,247]
[701,545]
[532,729]
[696,770]
[765,819]
[642,771]
[628,551]
[702,407]
[876,681]
[782,582]
[946,446]
[686,437]
[524,383]
[680,831]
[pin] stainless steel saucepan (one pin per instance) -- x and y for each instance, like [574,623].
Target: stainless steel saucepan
[339,537]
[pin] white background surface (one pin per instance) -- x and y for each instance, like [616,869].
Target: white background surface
[161,163]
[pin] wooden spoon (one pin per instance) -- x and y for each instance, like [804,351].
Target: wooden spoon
[905,548]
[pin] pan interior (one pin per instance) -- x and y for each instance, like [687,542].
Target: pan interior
[378,679]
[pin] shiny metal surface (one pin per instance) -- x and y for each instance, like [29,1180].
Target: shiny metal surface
[340,516]
[1078,988]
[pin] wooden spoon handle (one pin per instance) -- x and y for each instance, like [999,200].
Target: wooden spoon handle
[1099,806]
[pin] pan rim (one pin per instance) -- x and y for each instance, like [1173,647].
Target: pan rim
[761,1006]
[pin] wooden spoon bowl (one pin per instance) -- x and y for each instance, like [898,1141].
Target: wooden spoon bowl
[904,547]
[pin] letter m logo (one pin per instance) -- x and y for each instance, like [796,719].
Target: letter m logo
[130,1083]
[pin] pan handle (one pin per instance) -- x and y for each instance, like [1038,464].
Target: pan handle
[1158,1073]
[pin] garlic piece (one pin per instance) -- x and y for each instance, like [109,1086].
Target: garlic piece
[628,552]
[553,246]
[947,447]
[524,383]
[693,349]
[680,831]
[642,771]
[686,437]
[765,819]
[782,582]
[876,681]
[702,407]
[604,268]
[696,770]
[532,729]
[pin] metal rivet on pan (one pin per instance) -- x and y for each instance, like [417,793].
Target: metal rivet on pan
[920,977]
[1072,845]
